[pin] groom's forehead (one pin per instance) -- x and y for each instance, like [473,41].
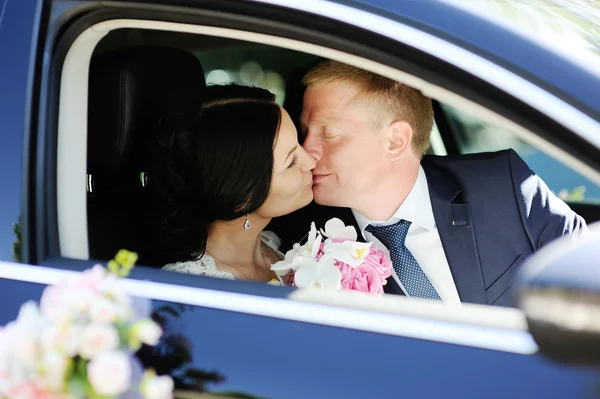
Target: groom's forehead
[326,108]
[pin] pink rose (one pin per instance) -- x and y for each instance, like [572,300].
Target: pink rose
[31,390]
[370,276]
[380,262]
[91,279]
[363,278]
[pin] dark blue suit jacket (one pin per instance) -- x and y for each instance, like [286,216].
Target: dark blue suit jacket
[491,212]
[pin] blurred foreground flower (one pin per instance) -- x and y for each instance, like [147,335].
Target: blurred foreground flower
[80,342]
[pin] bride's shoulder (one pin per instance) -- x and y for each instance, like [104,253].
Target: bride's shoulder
[205,266]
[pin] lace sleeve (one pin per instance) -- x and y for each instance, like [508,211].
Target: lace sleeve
[205,266]
[272,240]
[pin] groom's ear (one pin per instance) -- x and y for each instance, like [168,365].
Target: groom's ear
[399,138]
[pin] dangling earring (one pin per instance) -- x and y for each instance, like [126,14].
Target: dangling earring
[247,223]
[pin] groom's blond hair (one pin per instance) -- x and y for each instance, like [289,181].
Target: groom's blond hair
[391,99]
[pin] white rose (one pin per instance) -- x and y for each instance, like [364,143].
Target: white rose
[148,332]
[97,339]
[158,387]
[64,339]
[54,367]
[29,317]
[22,335]
[110,373]
[102,311]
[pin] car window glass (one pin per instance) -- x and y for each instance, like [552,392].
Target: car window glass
[253,64]
[570,27]
[1,9]
[475,135]
[14,95]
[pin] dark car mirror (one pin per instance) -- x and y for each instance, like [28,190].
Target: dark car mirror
[559,291]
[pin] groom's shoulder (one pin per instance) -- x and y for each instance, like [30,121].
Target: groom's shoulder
[481,158]
[487,169]
[477,163]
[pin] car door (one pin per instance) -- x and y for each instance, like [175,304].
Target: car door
[249,344]
[235,336]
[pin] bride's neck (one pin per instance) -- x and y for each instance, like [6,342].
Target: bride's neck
[231,244]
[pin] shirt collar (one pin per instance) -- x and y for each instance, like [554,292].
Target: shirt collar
[416,208]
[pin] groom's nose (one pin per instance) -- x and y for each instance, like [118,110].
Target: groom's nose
[313,146]
[308,161]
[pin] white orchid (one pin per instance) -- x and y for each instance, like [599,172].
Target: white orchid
[350,252]
[299,254]
[335,228]
[320,274]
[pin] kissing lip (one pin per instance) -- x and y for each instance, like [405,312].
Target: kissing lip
[317,178]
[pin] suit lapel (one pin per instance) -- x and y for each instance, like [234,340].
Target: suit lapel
[453,221]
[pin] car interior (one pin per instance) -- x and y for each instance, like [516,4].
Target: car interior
[134,74]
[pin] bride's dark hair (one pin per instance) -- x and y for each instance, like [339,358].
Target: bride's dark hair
[209,162]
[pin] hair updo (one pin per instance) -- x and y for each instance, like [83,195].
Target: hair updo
[207,163]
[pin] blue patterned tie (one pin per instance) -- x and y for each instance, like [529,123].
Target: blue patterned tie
[407,268]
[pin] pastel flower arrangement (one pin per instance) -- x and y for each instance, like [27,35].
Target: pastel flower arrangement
[81,341]
[333,259]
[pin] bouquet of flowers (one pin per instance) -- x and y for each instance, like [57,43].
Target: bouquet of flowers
[338,262]
[80,342]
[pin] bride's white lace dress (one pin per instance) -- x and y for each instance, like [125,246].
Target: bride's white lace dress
[206,265]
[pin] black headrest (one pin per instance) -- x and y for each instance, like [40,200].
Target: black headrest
[128,89]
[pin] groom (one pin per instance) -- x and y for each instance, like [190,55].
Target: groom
[456,227]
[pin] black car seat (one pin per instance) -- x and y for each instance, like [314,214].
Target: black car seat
[128,89]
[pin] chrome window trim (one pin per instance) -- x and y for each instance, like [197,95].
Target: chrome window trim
[431,321]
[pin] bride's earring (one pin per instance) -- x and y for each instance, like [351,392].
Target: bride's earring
[247,223]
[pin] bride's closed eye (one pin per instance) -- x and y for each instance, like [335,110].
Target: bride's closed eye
[294,161]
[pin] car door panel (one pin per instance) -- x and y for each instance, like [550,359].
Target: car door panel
[270,357]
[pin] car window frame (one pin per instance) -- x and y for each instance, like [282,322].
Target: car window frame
[65,201]
[47,203]
[81,18]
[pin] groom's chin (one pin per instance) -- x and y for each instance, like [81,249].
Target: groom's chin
[320,198]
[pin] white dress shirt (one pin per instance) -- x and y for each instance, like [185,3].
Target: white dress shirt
[422,240]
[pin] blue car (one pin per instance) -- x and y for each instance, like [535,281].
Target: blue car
[79,77]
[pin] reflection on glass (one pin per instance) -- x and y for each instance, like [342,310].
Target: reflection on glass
[16,246]
[571,27]
[218,77]
[475,135]
[173,356]
[251,73]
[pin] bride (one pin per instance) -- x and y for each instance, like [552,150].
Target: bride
[219,175]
